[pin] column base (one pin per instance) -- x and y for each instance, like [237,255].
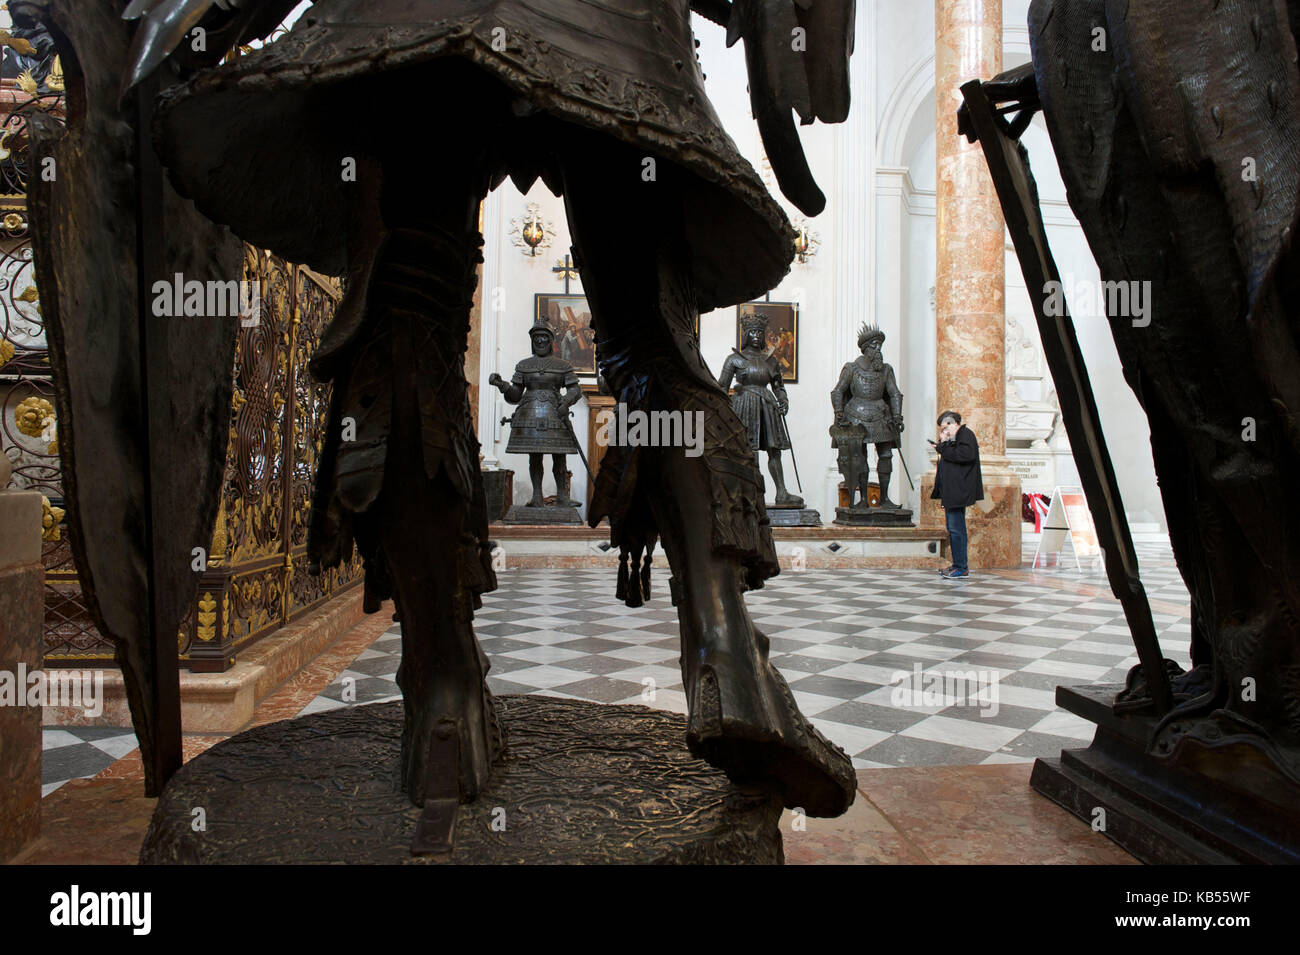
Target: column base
[993,524]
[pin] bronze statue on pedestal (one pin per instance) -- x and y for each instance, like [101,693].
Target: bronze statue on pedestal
[540,425]
[605,103]
[868,409]
[760,401]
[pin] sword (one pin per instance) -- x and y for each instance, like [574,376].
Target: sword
[574,436]
[903,460]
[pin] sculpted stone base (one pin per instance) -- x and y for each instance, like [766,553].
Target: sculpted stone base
[580,783]
[523,514]
[1216,797]
[781,516]
[874,517]
[993,524]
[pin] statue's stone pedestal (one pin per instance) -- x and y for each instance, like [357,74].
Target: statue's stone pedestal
[580,783]
[873,517]
[784,515]
[524,514]
[1215,796]
[499,491]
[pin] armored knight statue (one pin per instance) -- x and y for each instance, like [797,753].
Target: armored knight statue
[540,425]
[867,395]
[604,101]
[760,401]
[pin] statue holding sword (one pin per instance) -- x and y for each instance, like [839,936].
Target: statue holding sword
[540,424]
[760,401]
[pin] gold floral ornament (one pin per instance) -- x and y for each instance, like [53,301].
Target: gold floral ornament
[6,351]
[35,418]
[207,629]
[32,414]
[26,82]
[51,518]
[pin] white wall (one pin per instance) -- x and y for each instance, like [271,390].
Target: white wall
[876,261]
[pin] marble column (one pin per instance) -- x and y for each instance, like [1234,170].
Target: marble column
[22,611]
[970,305]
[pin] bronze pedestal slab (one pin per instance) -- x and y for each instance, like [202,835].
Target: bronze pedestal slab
[580,783]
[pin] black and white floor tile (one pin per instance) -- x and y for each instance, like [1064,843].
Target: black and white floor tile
[79,752]
[847,641]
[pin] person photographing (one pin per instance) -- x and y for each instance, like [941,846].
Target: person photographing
[958,484]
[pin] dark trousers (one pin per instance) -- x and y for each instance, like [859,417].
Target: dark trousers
[957,536]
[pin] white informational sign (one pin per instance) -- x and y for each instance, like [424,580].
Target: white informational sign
[1069,516]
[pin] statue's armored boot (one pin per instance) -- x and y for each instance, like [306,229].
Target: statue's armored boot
[707,508]
[783,496]
[536,470]
[885,471]
[432,514]
[742,716]
[561,472]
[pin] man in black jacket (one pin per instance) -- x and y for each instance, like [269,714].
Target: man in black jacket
[958,483]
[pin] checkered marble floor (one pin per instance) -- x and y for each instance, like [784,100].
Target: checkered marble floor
[79,752]
[846,640]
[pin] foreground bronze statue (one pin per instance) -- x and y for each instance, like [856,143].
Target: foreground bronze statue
[605,103]
[1178,139]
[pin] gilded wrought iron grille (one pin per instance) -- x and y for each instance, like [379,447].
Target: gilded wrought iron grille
[257,578]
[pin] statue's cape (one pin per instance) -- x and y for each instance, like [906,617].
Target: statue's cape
[85,239]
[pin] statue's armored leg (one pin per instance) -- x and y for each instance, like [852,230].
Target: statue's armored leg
[777,470]
[864,478]
[708,509]
[536,473]
[411,476]
[561,473]
[885,471]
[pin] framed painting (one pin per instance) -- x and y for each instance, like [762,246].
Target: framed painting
[570,318]
[782,333]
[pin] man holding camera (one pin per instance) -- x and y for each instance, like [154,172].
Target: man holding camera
[958,483]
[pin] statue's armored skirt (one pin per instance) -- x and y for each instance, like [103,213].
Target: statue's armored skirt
[759,413]
[349,69]
[540,424]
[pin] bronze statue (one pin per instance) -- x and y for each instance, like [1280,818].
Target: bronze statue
[867,396]
[760,401]
[1179,141]
[604,101]
[540,425]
